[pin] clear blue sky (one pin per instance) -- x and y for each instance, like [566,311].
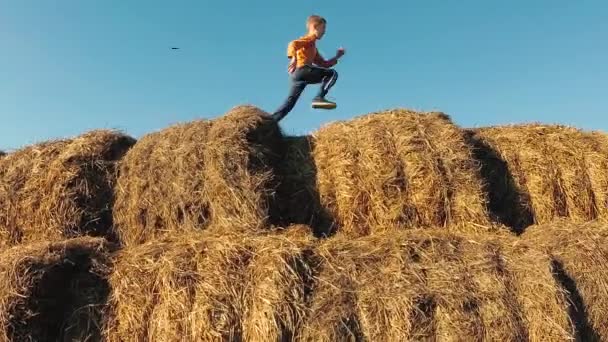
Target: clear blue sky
[73,65]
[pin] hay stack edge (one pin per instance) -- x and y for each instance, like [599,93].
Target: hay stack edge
[60,189]
[393,226]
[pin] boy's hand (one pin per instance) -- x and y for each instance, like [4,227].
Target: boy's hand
[292,65]
[340,53]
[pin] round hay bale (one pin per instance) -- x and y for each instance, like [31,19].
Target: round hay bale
[242,153]
[579,255]
[280,280]
[548,172]
[397,169]
[54,291]
[60,189]
[434,285]
[161,185]
[201,286]
[200,174]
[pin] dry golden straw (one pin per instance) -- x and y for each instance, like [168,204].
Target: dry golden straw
[54,291]
[397,169]
[548,172]
[60,189]
[434,285]
[410,285]
[198,173]
[580,256]
[202,287]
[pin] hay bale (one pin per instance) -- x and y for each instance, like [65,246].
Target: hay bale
[434,285]
[199,174]
[580,255]
[60,189]
[161,183]
[241,157]
[53,291]
[546,172]
[200,287]
[397,169]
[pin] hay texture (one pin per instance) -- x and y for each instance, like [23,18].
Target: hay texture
[537,173]
[53,291]
[201,287]
[161,183]
[300,202]
[580,258]
[60,189]
[397,169]
[433,285]
[198,174]
[414,285]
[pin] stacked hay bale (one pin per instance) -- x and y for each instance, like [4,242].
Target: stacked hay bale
[54,291]
[537,173]
[195,206]
[201,286]
[580,255]
[202,173]
[60,189]
[396,169]
[435,285]
[160,184]
[399,286]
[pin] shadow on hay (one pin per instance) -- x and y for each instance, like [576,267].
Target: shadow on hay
[101,224]
[576,306]
[298,200]
[504,199]
[64,304]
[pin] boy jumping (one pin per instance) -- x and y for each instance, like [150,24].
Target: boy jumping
[307,66]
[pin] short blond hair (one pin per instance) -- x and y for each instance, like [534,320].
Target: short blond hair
[316,20]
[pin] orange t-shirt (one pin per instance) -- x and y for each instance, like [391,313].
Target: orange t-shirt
[306,53]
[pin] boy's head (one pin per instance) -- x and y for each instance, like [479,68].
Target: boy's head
[316,26]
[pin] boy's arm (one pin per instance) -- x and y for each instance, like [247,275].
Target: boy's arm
[320,61]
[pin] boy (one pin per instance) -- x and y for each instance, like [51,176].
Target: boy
[307,66]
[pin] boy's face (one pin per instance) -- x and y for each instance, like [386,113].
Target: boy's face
[318,30]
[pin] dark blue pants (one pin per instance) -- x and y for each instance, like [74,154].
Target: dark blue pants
[299,79]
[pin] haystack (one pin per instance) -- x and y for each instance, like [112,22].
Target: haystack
[434,285]
[161,183]
[537,173]
[241,157]
[397,169]
[53,291]
[60,189]
[202,287]
[580,258]
[191,175]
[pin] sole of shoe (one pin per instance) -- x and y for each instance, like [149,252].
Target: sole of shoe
[323,105]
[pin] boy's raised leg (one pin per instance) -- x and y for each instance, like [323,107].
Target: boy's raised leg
[329,79]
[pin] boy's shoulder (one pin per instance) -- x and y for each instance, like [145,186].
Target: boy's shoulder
[305,38]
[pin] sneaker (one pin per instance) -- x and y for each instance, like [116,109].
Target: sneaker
[322,103]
